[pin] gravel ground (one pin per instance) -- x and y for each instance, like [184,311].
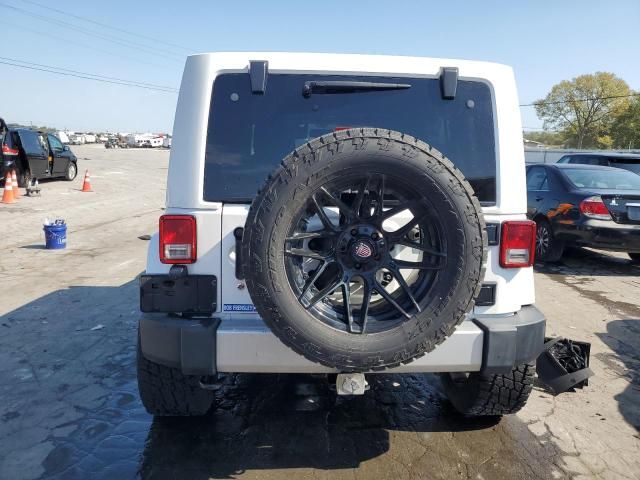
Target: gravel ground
[70,408]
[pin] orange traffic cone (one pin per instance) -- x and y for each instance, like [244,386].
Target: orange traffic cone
[7,195]
[14,185]
[86,185]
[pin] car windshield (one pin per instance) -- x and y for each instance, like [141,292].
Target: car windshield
[249,134]
[613,179]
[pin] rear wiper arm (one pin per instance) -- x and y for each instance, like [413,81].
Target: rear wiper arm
[349,87]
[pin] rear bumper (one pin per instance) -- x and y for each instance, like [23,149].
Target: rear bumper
[490,344]
[602,234]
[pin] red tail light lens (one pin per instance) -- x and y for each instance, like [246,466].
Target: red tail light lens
[178,239]
[7,150]
[594,207]
[517,244]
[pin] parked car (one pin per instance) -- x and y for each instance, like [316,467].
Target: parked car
[36,155]
[365,249]
[626,161]
[584,205]
[115,143]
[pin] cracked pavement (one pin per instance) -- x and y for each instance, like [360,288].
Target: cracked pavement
[69,398]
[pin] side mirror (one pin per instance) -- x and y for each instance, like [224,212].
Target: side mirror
[65,148]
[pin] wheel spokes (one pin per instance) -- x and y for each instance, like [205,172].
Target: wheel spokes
[357,203]
[346,298]
[415,265]
[322,215]
[310,282]
[380,194]
[343,207]
[325,292]
[307,253]
[403,284]
[419,246]
[364,308]
[309,235]
[381,290]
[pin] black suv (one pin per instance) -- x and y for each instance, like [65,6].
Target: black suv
[35,155]
[625,161]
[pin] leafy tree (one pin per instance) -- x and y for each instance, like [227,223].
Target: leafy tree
[546,137]
[585,107]
[626,127]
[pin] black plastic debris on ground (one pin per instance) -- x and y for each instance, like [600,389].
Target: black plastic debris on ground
[564,364]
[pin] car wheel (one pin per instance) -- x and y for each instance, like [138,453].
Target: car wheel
[364,249]
[635,257]
[167,392]
[477,394]
[548,248]
[72,171]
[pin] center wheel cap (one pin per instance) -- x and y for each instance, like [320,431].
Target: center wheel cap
[362,250]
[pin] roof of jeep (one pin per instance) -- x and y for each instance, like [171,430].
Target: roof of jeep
[348,61]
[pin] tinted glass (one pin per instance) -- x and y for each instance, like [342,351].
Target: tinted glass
[32,142]
[536,178]
[55,143]
[631,164]
[615,179]
[249,134]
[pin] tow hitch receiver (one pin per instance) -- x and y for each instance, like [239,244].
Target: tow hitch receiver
[351,384]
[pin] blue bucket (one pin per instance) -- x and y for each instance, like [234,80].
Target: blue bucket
[55,236]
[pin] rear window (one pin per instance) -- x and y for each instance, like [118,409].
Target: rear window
[614,179]
[249,134]
[631,164]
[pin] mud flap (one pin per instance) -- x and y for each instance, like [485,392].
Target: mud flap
[564,364]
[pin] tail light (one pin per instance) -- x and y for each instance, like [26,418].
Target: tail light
[7,150]
[177,239]
[517,244]
[594,207]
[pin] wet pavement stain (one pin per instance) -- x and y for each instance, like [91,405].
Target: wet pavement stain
[71,410]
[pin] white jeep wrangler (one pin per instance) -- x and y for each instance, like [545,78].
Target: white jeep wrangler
[342,214]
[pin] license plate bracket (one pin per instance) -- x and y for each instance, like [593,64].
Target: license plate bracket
[189,295]
[633,212]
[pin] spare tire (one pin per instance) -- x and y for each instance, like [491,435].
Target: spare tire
[364,249]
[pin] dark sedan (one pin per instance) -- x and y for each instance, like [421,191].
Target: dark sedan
[626,161]
[584,205]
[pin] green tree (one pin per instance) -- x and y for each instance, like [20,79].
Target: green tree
[585,107]
[626,127]
[546,137]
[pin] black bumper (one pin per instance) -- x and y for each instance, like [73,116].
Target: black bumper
[605,235]
[513,340]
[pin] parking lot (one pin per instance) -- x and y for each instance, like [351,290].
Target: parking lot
[68,382]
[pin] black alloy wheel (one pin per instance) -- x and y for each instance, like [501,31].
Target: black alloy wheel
[346,253]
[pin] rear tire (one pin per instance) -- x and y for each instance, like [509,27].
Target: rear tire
[490,395]
[548,247]
[635,257]
[166,392]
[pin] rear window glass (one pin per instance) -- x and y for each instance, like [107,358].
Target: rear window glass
[614,179]
[249,134]
[631,164]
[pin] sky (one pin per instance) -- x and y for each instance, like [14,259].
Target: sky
[544,41]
